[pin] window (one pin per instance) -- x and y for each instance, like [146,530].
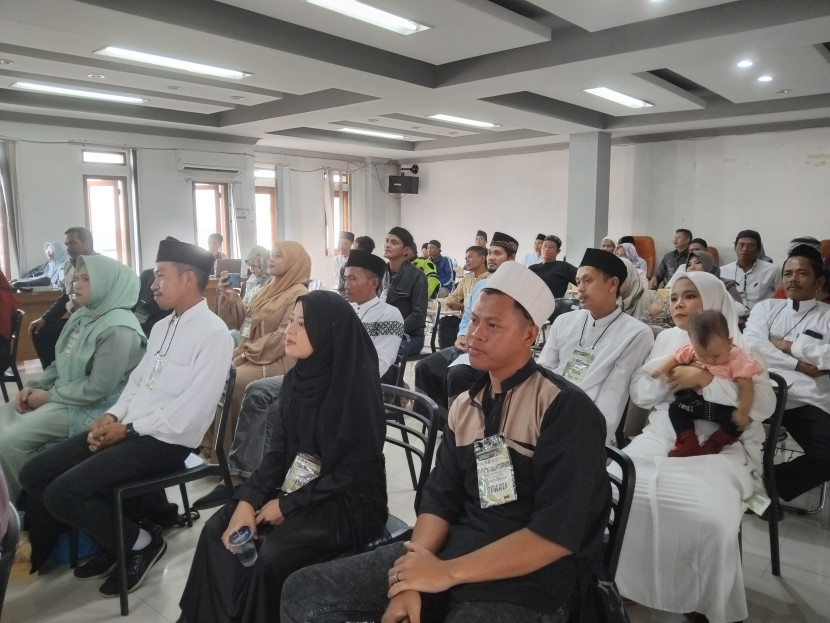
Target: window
[106,210]
[103,157]
[266,216]
[210,202]
[340,204]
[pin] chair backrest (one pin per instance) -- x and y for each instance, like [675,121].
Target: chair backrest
[622,494]
[412,429]
[399,365]
[774,423]
[646,250]
[433,315]
[825,248]
[223,408]
[7,551]
[17,322]
[715,255]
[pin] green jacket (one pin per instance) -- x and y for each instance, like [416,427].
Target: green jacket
[431,273]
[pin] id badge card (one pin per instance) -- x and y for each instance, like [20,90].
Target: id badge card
[71,341]
[496,479]
[303,470]
[578,365]
[153,379]
[245,329]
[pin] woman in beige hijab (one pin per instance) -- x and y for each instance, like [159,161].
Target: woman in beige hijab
[262,353]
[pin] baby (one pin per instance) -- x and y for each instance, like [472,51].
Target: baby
[712,348]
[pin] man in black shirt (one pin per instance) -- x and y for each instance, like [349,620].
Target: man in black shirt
[556,275]
[405,287]
[672,259]
[511,519]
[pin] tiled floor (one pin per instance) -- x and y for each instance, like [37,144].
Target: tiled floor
[801,594]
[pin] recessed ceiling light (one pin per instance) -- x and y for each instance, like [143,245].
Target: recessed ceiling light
[237,97]
[5,61]
[765,78]
[174,87]
[174,63]
[371,15]
[96,76]
[463,121]
[619,98]
[373,133]
[96,95]
[745,63]
[783,91]
[373,120]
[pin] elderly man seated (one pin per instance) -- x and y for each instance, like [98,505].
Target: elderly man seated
[512,518]
[165,408]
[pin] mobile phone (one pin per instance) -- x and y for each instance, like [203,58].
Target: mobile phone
[234,280]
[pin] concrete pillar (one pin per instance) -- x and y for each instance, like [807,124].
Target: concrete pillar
[589,166]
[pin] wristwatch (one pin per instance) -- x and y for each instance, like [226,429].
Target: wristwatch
[131,432]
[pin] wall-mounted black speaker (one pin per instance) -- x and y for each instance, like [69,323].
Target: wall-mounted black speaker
[403,184]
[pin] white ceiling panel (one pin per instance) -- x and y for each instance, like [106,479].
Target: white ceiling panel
[497,28]
[594,15]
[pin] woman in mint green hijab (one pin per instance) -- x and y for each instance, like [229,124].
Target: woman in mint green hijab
[96,351]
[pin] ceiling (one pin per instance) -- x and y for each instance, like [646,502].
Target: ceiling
[521,64]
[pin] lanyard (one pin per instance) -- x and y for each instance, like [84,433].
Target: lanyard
[778,313]
[581,335]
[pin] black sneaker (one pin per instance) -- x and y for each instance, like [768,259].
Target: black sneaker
[138,564]
[97,567]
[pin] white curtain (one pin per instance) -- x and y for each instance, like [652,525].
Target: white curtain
[9,234]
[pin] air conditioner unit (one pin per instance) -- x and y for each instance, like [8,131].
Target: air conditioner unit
[210,162]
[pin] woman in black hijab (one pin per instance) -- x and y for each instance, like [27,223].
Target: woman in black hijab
[330,413]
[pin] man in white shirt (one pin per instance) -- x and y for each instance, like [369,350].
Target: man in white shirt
[383,322]
[599,347]
[794,337]
[536,257]
[756,278]
[163,412]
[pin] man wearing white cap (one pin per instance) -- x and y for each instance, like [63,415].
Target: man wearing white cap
[599,347]
[515,509]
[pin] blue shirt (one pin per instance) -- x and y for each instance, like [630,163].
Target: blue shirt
[465,317]
[445,273]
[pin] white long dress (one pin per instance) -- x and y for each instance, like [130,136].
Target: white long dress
[680,551]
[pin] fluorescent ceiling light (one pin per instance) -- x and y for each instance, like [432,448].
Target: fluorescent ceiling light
[463,121]
[173,63]
[745,63]
[619,98]
[96,95]
[371,15]
[764,78]
[363,132]
[269,173]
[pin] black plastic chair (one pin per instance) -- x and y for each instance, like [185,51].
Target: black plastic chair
[398,367]
[12,375]
[7,551]
[178,477]
[414,431]
[768,458]
[623,494]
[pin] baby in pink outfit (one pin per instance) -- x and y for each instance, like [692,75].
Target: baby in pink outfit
[711,348]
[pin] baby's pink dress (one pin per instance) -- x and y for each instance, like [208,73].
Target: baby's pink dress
[738,366]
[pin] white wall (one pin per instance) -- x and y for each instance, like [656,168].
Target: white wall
[50,196]
[520,195]
[777,183]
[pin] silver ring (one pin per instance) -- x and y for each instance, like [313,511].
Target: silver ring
[395,577]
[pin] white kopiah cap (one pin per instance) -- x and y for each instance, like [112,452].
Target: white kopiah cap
[526,288]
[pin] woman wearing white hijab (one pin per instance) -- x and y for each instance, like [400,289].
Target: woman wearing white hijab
[637,299]
[680,552]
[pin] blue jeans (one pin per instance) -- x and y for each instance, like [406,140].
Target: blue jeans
[354,589]
[252,436]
